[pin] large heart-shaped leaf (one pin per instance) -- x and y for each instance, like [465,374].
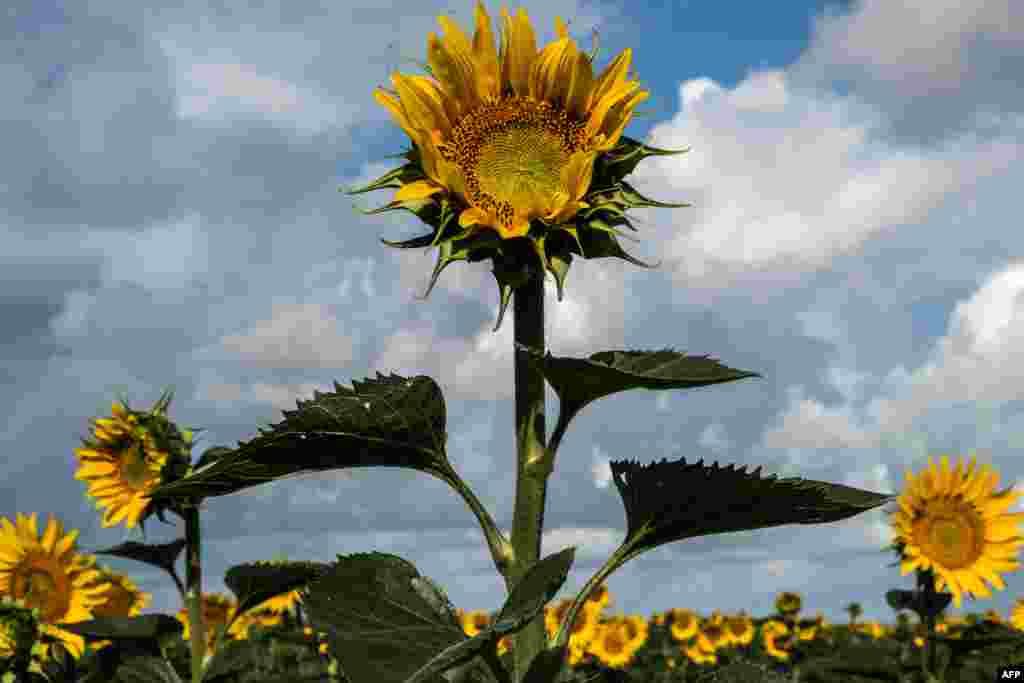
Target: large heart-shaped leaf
[669,501]
[579,381]
[385,422]
[380,626]
[255,583]
[387,624]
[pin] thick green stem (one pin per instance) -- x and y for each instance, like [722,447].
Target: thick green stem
[532,465]
[194,590]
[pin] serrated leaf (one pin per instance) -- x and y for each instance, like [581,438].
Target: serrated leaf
[162,555]
[144,627]
[379,626]
[579,381]
[147,670]
[390,421]
[669,501]
[255,583]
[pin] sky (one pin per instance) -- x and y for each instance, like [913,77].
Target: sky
[170,216]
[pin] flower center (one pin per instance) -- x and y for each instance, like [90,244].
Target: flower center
[134,468]
[614,643]
[950,533]
[39,589]
[511,152]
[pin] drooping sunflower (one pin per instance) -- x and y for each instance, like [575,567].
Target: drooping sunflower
[518,153]
[46,572]
[954,523]
[130,454]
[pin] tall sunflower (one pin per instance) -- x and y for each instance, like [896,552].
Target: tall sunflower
[518,153]
[129,455]
[954,523]
[47,573]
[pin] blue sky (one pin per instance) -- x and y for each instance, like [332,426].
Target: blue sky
[169,215]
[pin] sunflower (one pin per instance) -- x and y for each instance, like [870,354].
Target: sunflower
[954,523]
[712,635]
[47,573]
[778,642]
[699,652]
[518,153]
[217,611]
[684,624]
[636,629]
[612,645]
[127,457]
[788,604]
[739,629]
[124,599]
[474,622]
[262,616]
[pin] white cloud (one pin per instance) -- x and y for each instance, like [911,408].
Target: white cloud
[164,256]
[601,470]
[296,336]
[714,437]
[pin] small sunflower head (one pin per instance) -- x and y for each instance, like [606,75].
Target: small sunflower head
[787,603]
[123,597]
[517,152]
[128,455]
[953,523]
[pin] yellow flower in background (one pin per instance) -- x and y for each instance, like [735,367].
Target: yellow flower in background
[684,624]
[475,622]
[1017,614]
[871,628]
[504,645]
[128,456]
[512,141]
[123,599]
[255,617]
[47,573]
[700,652]
[787,603]
[778,642]
[954,523]
[712,635]
[612,645]
[600,597]
[739,629]
[279,604]
[217,610]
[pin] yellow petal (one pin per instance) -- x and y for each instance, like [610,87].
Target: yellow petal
[50,535]
[485,55]
[519,49]
[420,189]
[393,106]
[472,216]
[452,66]
[422,110]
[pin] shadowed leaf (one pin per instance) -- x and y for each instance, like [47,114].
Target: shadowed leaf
[669,501]
[162,555]
[255,583]
[147,626]
[385,422]
[147,670]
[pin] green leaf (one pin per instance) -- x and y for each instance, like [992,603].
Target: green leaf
[538,586]
[669,501]
[147,670]
[162,555]
[622,160]
[548,666]
[382,619]
[147,626]
[385,422]
[598,243]
[393,179]
[255,583]
[579,381]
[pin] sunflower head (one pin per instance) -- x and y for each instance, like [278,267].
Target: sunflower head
[128,455]
[47,573]
[787,603]
[517,152]
[953,523]
[123,599]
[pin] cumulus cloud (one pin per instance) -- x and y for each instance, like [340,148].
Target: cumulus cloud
[297,336]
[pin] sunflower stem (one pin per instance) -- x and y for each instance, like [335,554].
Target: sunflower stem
[194,590]
[616,560]
[926,583]
[532,465]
